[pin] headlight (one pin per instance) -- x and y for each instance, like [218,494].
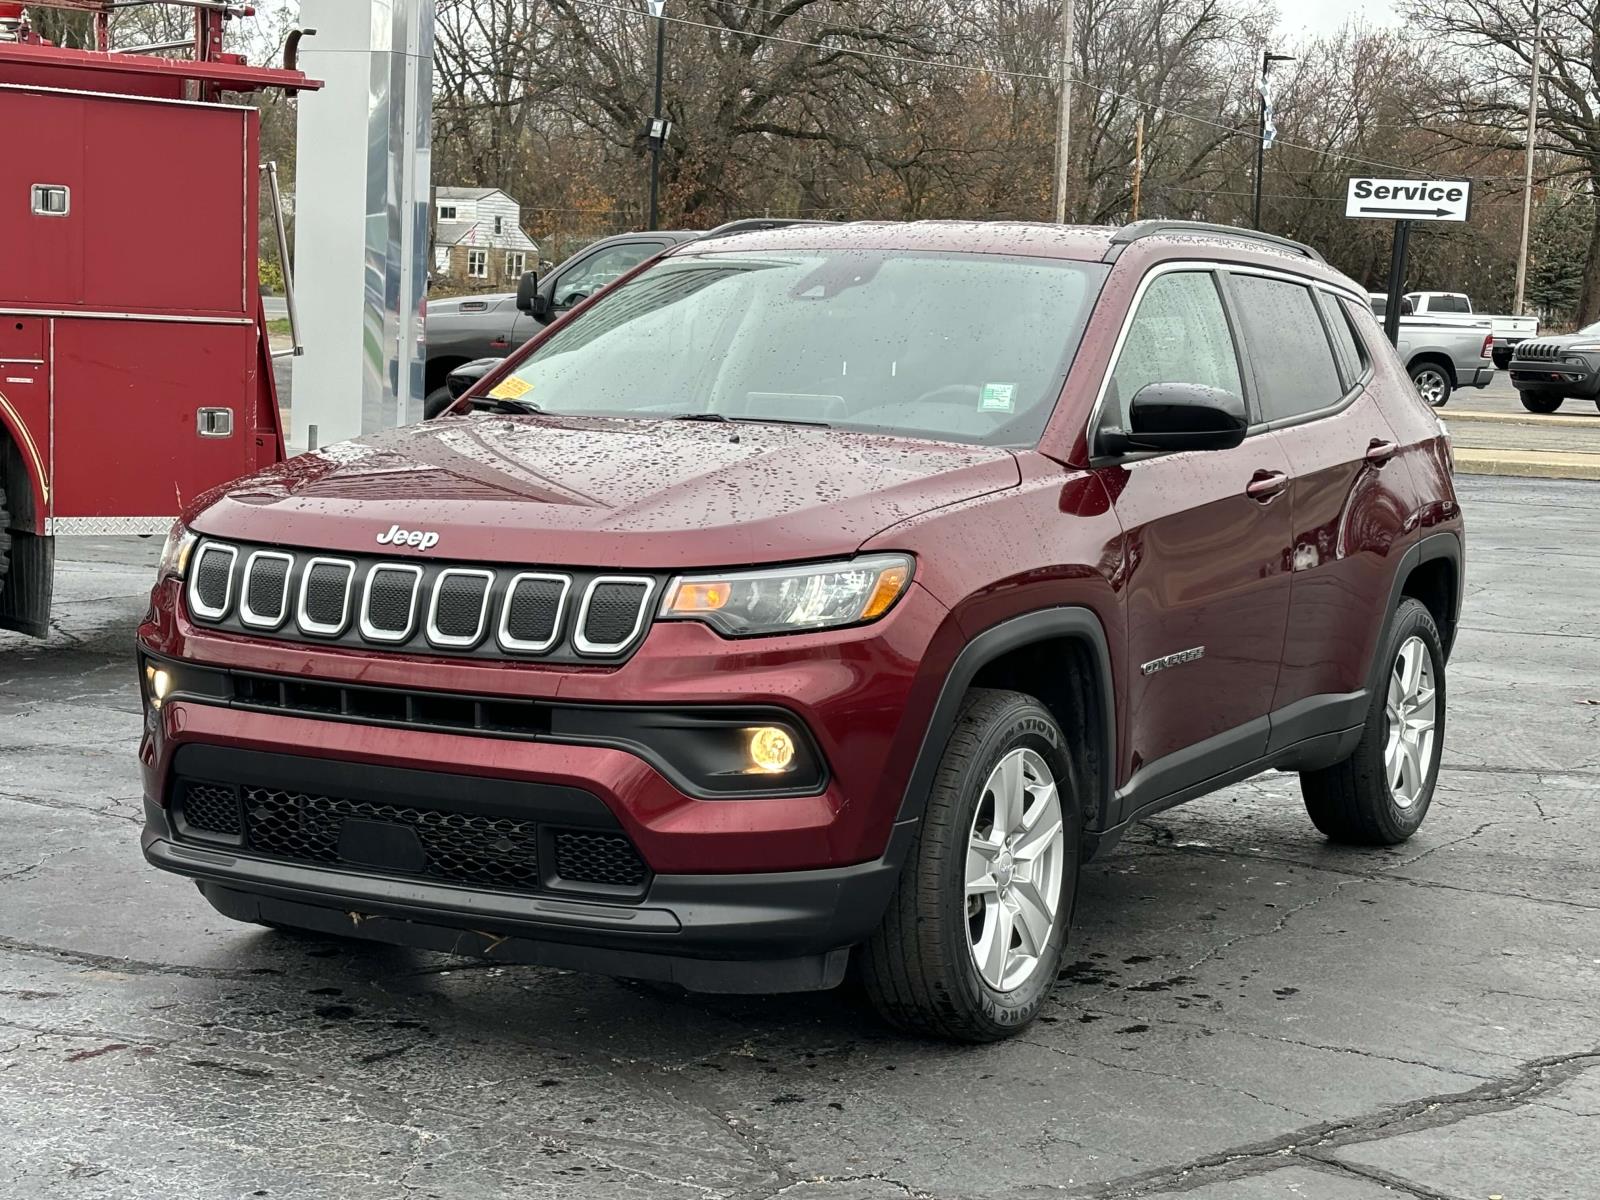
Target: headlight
[790,599]
[175,553]
[1586,348]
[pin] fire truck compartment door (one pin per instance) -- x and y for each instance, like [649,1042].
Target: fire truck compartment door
[130,435]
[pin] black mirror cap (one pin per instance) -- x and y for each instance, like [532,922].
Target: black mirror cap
[1408,308]
[467,374]
[527,288]
[1183,416]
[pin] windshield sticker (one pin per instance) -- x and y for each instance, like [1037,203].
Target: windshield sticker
[996,397]
[510,388]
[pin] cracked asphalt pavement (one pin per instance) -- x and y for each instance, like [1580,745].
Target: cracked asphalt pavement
[1249,1011]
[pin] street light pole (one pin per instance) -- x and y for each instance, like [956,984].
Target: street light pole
[1267,59]
[657,132]
[1527,165]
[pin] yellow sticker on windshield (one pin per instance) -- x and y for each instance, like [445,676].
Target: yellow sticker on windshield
[997,397]
[510,388]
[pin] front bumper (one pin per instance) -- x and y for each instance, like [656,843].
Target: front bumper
[1567,378]
[770,932]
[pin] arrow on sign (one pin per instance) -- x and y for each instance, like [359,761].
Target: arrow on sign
[1409,212]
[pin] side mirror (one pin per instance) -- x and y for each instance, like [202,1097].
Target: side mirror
[1407,307]
[526,291]
[1180,416]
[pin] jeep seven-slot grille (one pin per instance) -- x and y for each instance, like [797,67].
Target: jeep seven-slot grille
[422,607]
[1537,352]
[500,853]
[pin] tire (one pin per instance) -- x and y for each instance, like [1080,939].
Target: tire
[1541,402]
[920,967]
[1501,358]
[1356,801]
[1432,383]
[435,402]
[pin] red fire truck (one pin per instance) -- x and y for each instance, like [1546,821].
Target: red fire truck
[135,370]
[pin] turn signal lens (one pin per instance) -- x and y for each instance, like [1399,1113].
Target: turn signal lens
[704,597]
[771,749]
[890,584]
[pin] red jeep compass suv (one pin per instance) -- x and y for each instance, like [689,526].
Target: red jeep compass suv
[834,589]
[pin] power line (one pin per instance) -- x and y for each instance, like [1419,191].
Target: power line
[986,69]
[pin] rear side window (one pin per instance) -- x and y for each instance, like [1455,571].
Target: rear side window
[1352,358]
[1293,362]
[1448,304]
[1179,335]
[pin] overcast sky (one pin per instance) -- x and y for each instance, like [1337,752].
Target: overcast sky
[1324,16]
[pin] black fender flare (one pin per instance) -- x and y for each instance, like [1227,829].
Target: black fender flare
[1042,625]
[1429,548]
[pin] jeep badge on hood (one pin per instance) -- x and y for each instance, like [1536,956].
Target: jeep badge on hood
[419,539]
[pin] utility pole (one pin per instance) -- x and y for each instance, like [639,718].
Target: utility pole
[1267,59]
[1527,165]
[657,133]
[1138,164]
[1064,113]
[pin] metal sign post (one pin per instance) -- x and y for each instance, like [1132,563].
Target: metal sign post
[1404,201]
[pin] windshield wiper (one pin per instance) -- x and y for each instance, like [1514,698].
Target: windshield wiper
[724,418]
[520,407]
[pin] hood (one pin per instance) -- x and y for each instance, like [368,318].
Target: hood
[604,492]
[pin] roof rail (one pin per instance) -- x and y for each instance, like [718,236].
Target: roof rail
[1158,227]
[758,224]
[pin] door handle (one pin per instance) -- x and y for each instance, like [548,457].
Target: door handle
[1380,451]
[1266,486]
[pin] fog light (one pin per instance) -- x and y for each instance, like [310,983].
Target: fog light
[771,749]
[159,683]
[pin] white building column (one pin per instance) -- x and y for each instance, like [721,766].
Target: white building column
[361,208]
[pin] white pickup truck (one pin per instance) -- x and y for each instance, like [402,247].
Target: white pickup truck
[1442,353]
[1508,331]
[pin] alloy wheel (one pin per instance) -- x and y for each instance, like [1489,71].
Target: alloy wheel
[1412,713]
[1014,870]
[1432,386]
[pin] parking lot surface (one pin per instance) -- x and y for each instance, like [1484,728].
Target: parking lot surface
[1249,1012]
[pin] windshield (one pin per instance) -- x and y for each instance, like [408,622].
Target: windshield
[970,348]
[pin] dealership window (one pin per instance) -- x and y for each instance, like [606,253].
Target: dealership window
[516,262]
[447,212]
[478,264]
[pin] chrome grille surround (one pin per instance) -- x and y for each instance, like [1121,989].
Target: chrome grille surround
[370,630]
[247,614]
[461,641]
[356,601]
[307,623]
[583,642]
[196,568]
[510,641]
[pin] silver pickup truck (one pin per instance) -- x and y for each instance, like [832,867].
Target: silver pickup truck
[1443,355]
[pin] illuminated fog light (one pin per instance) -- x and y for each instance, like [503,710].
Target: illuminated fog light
[159,682]
[771,749]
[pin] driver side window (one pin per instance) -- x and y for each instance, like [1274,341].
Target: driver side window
[594,272]
[1179,334]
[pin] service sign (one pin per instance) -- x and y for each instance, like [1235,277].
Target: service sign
[1409,199]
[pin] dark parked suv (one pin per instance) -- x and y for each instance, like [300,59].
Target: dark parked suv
[1545,371]
[780,617]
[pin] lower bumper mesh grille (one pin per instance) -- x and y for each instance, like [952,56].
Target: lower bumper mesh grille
[471,849]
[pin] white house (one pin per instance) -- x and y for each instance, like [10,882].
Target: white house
[478,235]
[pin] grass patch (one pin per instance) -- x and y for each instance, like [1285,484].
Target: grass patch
[278,326]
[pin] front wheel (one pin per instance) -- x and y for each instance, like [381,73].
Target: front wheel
[436,402]
[1542,402]
[1432,384]
[971,943]
[1379,795]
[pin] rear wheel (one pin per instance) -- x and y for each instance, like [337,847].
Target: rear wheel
[1542,402]
[1379,795]
[971,943]
[1432,383]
